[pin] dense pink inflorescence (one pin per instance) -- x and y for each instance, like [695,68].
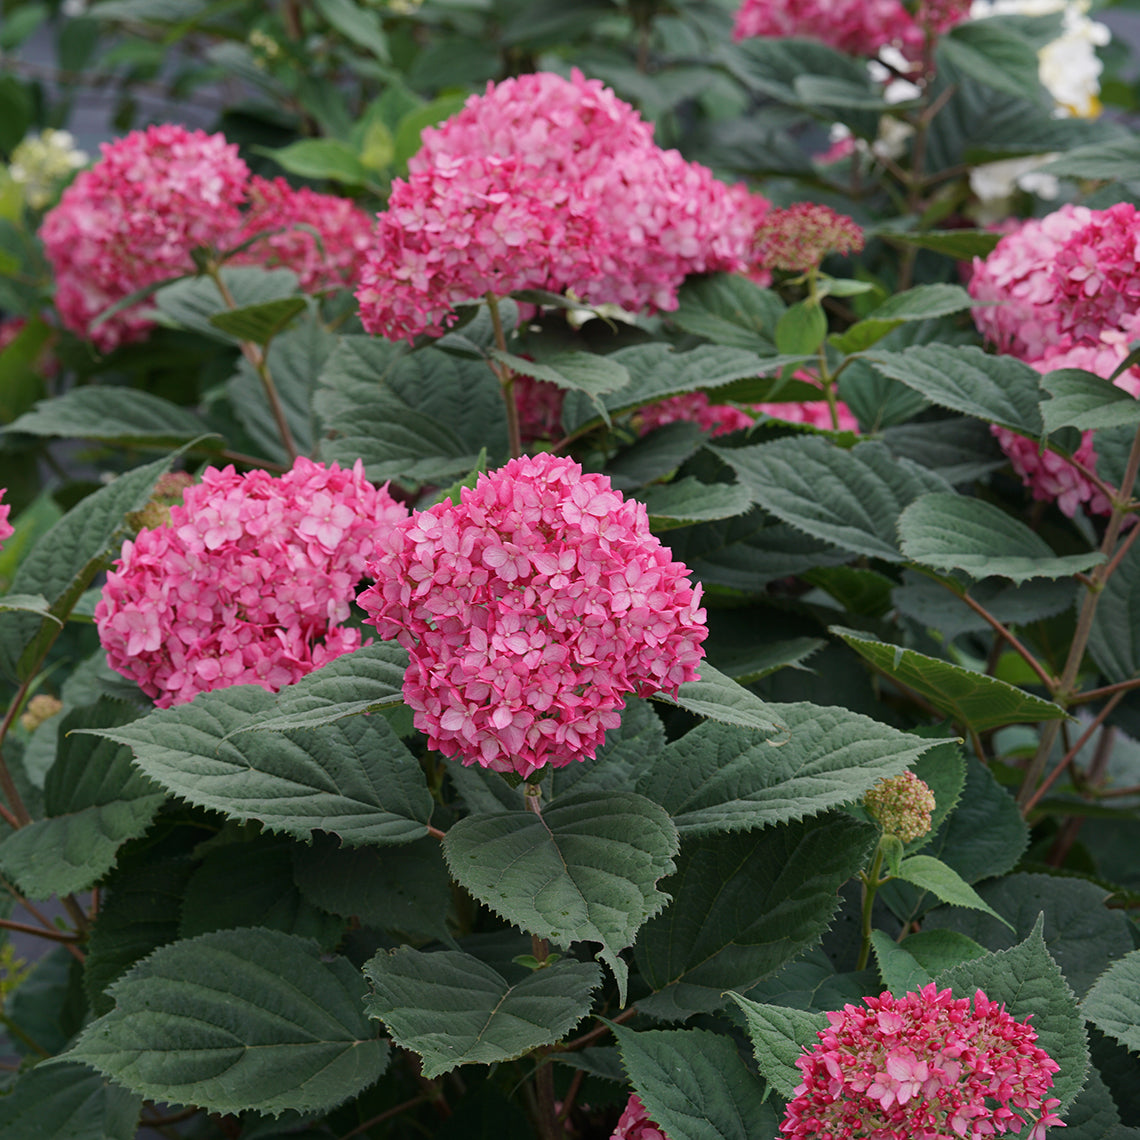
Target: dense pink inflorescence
[330,259]
[635,1123]
[6,528]
[248,583]
[857,27]
[132,220]
[548,183]
[801,236]
[530,609]
[925,1066]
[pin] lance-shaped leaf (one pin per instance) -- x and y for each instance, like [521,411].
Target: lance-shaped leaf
[720,698]
[61,1100]
[1085,401]
[586,870]
[1114,640]
[1028,981]
[1117,160]
[1113,1003]
[574,371]
[689,501]
[779,1035]
[972,699]
[354,778]
[366,680]
[259,323]
[720,778]
[744,905]
[963,245]
[192,301]
[236,1020]
[95,799]
[852,498]
[28,604]
[65,560]
[454,1009]
[694,1084]
[115,415]
[917,304]
[954,532]
[965,379]
[901,972]
[930,874]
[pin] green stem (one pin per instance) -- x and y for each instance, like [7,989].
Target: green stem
[506,379]
[871,884]
[15,815]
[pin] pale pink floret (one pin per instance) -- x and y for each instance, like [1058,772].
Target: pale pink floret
[925,1066]
[331,258]
[530,609]
[1048,475]
[635,1123]
[249,583]
[134,218]
[547,183]
[6,528]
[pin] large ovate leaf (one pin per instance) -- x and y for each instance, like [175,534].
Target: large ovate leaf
[65,1101]
[917,304]
[1085,401]
[721,778]
[729,310]
[901,972]
[689,501]
[454,1009]
[259,323]
[1027,980]
[990,53]
[574,371]
[744,905]
[1113,1003]
[953,532]
[586,870]
[779,1035]
[972,699]
[720,698]
[999,389]
[694,1085]
[851,498]
[354,778]
[238,1019]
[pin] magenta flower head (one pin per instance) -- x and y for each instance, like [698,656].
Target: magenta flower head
[547,183]
[635,1123]
[6,528]
[530,609]
[248,583]
[925,1066]
[133,219]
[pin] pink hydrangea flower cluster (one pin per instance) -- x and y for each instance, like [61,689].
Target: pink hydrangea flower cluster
[902,805]
[800,237]
[635,1123]
[248,583]
[1066,290]
[134,218]
[925,1066]
[549,183]
[6,528]
[330,258]
[856,27]
[530,609]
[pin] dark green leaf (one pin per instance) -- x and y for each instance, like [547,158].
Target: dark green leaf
[575,371]
[1085,401]
[688,501]
[992,55]
[963,245]
[901,972]
[779,1035]
[322,159]
[801,329]
[720,698]
[729,310]
[1113,1004]
[917,304]
[259,323]
[357,24]
[1116,160]
[64,1101]
[930,874]
[191,302]
[1114,640]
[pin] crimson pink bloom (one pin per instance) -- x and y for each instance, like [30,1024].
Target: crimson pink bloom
[925,1066]
[6,528]
[635,1123]
[133,219]
[530,609]
[249,582]
[329,259]
[547,183]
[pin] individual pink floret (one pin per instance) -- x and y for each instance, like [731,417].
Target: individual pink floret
[134,218]
[249,582]
[925,1066]
[635,1123]
[547,183]
[530,609]
[330,258]
[1048,475]
[6,528]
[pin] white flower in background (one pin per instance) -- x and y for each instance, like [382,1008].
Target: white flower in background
[41,161]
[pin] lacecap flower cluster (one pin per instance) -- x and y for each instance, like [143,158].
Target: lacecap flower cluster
[926,1066]
[530,609]
[135,217]
[547,183]
[1064,293]
[249,582]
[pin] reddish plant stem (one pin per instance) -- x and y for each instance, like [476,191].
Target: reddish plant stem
[387,1114]
[1003,632]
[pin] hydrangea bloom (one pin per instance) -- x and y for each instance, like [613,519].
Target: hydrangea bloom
[720,419]
[902,805]
[800,237]
[331,261]
[925,1066]
[530,609]
[635,1123]
[42,161]
[6,528]
[550,183]
[248,583]
[132,220]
